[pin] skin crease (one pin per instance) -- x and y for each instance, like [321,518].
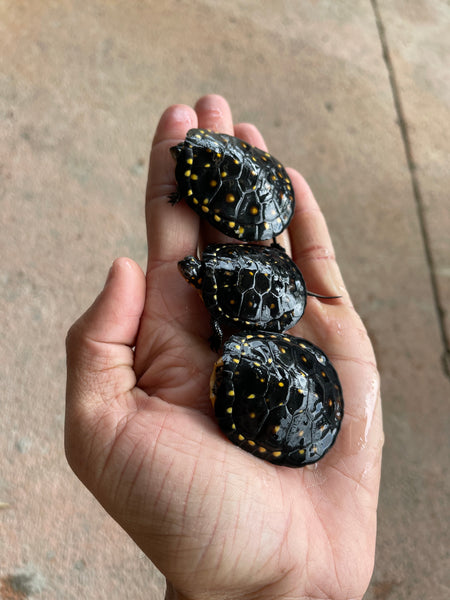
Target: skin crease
[218,522]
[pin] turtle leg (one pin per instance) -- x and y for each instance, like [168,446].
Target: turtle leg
[181,153]
[215,341]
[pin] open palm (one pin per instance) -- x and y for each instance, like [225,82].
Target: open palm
[140,433]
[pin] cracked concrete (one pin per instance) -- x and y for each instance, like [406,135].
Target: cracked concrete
[82,87]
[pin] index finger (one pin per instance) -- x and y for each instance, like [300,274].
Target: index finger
[172,231]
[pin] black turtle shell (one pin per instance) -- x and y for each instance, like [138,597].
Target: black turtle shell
[252,287]
[278,397]
[241,190]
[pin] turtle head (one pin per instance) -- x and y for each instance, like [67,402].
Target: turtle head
[192,270]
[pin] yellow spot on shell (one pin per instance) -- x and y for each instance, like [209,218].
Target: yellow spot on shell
[230,198]
[194,176]
[190,192]
[251,443]
[231,223]
[276,454]
[280,384]
[213,183]
[217,218]
[250,396]
[254,210]
[231,393]
[241,438]
[252,415]
[187,173]
[229,410]
[190,160]
[205,209]
[241,230]
[223,174]
[262,450]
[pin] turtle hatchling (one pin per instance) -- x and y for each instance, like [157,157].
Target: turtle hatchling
[278,397]
[247,286]
[241,190]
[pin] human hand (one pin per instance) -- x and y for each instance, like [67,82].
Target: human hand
[140,433]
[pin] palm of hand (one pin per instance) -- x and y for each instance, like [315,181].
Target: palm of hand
[213,518]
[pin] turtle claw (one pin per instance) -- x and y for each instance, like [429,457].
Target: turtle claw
[174,198]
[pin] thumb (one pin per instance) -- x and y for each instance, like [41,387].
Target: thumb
[99,345]
[115,314]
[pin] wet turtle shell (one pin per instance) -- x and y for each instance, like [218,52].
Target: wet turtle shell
[241,190]
[278,397]
[247,286]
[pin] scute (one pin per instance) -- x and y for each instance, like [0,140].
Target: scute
[267,402]
[241,190]
[261,287]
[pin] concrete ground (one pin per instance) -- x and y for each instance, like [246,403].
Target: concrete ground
[356,95]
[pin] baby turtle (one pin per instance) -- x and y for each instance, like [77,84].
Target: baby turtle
[247,286]
[241,190]
[278,397]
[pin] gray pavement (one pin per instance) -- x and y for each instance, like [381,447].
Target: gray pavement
[356,95]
